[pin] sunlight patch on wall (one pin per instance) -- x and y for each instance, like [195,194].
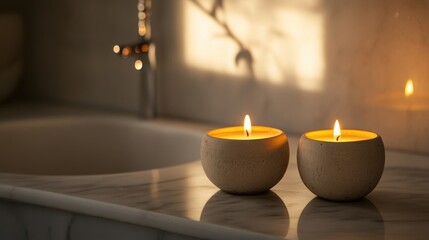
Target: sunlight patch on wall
[276,41]
[206,45]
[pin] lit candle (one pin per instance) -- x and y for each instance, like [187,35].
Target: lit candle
[409,88]
[245,132]
[414,100]
[245,159]
[338,135]
[340,165]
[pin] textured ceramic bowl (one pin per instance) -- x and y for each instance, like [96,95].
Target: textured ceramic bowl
[341,171]
[245,166]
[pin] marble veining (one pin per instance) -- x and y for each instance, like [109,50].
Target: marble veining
[398,207]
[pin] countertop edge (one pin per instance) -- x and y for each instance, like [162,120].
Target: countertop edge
[125,214]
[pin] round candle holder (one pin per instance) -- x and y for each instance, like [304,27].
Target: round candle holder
[245,165]
[341,170]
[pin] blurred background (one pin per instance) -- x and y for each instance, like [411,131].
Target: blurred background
[293,64]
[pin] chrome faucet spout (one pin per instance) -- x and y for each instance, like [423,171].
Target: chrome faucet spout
[147,108]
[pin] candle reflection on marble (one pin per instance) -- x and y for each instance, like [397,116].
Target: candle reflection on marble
[356,220]
[248,212]
[340,165]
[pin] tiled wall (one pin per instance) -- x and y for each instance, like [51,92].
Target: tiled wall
[70,57]
[11,44]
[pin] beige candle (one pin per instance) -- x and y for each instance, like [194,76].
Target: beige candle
[340,165]
[245,159]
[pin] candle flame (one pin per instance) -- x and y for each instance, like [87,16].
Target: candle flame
[337,130]
[409,88]
[247,126]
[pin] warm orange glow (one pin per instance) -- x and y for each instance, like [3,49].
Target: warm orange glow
[140,6]
[116,49]
[347,135]
[337,130]
[145,48]
[236,133]
[126,51]
[247,126]
[142,29]
[138,64]
[409,88]
[142,15]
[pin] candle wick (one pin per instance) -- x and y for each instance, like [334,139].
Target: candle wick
[247,132]
[338,137]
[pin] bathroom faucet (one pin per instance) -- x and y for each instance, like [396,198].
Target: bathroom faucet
[147,101]
[144,51]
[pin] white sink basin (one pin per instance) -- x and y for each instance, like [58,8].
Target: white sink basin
[94,145]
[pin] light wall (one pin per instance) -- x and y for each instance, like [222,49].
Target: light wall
[299,65]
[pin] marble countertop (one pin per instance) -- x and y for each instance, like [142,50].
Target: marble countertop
[182,199]
[397,208]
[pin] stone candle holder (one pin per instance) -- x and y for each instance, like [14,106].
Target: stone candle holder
[341,170]
[245,165]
